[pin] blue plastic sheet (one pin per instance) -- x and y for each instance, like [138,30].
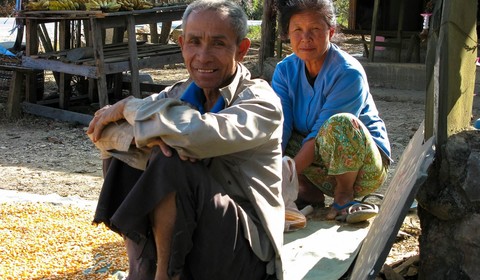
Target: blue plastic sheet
[4,51]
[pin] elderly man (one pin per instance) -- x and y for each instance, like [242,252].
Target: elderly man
[208,203]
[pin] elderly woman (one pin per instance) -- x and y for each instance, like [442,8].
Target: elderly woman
[332,129]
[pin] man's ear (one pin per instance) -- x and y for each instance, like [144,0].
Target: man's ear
[180,41]
[243,48]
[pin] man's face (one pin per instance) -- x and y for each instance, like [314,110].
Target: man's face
[210,49]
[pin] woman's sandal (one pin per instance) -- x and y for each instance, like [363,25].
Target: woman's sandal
[355,211]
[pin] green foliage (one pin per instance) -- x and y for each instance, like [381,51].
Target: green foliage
[341,9]
[254,32]
[253,8]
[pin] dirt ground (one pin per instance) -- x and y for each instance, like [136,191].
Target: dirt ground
[44,156]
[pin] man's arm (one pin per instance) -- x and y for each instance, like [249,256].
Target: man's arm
[105,116]
[113,113]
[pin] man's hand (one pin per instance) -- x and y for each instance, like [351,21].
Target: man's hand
[104,116]
[166,150]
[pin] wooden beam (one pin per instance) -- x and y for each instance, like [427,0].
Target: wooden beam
[57,114]
[13,100]
[164,33]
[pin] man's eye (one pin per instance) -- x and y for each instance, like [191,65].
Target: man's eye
[194,41]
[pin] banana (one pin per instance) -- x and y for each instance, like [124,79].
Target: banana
[94,5]
[125,5]
[41,5]
[108,5]
[53,5]
[32,6]
[63,5]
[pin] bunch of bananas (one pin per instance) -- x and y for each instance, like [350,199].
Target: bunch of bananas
[55,5]
[128,5]
[41,5]
[107,6]
[61,5]
[163,3]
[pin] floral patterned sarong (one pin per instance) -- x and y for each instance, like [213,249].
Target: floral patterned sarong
[342,145]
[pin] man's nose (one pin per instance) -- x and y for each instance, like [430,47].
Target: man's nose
[204,53]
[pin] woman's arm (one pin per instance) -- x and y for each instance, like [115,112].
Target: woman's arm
[305,156]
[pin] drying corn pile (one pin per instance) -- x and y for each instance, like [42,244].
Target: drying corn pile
[47,241]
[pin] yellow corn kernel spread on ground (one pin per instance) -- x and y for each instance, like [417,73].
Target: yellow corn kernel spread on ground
[45,241]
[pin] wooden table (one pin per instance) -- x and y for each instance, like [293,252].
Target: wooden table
[99,59]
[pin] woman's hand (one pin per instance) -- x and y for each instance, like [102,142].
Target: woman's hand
[304,158]
[104,116]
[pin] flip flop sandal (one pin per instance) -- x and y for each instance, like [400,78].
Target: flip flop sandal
[375,195]
[379,196]
[339,208]
[356,212]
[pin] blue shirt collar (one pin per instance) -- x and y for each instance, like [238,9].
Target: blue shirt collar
[194,95]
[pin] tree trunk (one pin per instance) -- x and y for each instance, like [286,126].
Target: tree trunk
[450,199]
[269,23]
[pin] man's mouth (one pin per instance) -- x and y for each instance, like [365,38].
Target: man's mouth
[205,70]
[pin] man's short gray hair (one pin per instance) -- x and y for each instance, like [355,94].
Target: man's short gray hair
[236,15]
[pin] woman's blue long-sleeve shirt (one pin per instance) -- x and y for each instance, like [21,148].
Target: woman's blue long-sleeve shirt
[341,86]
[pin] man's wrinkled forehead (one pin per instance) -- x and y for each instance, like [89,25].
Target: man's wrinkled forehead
[206,15]
[212,14]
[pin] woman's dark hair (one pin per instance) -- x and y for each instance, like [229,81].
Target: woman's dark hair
[288,8]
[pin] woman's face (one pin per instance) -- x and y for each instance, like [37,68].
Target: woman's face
[309,36]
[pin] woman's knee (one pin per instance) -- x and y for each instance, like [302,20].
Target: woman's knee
[341,122]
